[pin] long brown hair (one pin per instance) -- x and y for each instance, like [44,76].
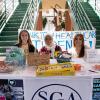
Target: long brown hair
[82,51]
[29,39]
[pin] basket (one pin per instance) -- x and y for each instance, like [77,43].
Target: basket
[35,59]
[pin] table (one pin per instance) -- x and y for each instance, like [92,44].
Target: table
[26,86]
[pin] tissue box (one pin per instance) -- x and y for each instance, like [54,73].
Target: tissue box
[64,69]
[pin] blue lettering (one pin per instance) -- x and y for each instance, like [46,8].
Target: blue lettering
[93,34]
[63,35]
[35,35]
[61,43]
[43,34]
[86,35]
[69,35]
[57,36]
[37,43]
[68,44]
[90,42]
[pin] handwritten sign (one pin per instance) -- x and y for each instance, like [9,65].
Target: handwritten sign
[62,38]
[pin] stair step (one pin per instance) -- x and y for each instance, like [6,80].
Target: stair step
[96,23]
[85,5]
[97,36]
[15,20]
[9,38]
[97,31]
[97,27]
[90,13]
[7,43]
[10,29]
[13,24]
[93,15]
[97,46]
[94,19]
[16,17]
[97,42]
[18,14]
[4,48]
[5,33]
[21,11]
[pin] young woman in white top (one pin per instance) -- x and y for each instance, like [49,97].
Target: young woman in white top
[79,48]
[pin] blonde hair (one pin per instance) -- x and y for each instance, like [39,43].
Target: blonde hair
[82,51]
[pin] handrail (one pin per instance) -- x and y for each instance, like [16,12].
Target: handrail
[97,10]
[87,17]
[30,17]
[80,15]
[23,21]
[26,17]
[71,4]
[7,9]
[83,17]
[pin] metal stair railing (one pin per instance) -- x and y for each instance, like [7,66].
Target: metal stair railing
[96,6]
[30,18]
[80,16]
[7,8]
[86,19]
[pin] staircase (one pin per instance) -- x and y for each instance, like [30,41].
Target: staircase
[95,20]
[9,35]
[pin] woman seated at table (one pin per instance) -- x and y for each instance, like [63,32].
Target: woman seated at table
[25,42]
[50,47]
[79,48]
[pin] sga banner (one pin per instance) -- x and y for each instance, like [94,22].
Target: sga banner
[61,88]
[62,38]
[46,88]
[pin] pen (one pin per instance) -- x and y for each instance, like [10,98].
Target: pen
[93,71]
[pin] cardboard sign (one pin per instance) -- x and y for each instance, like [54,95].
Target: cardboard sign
[91,55]
[58,88]
[34,59]
[62,38]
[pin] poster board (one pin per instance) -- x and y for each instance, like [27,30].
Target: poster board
[34,59]
[62,38]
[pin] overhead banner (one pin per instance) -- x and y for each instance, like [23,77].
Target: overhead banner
[64,88]
[62,38]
